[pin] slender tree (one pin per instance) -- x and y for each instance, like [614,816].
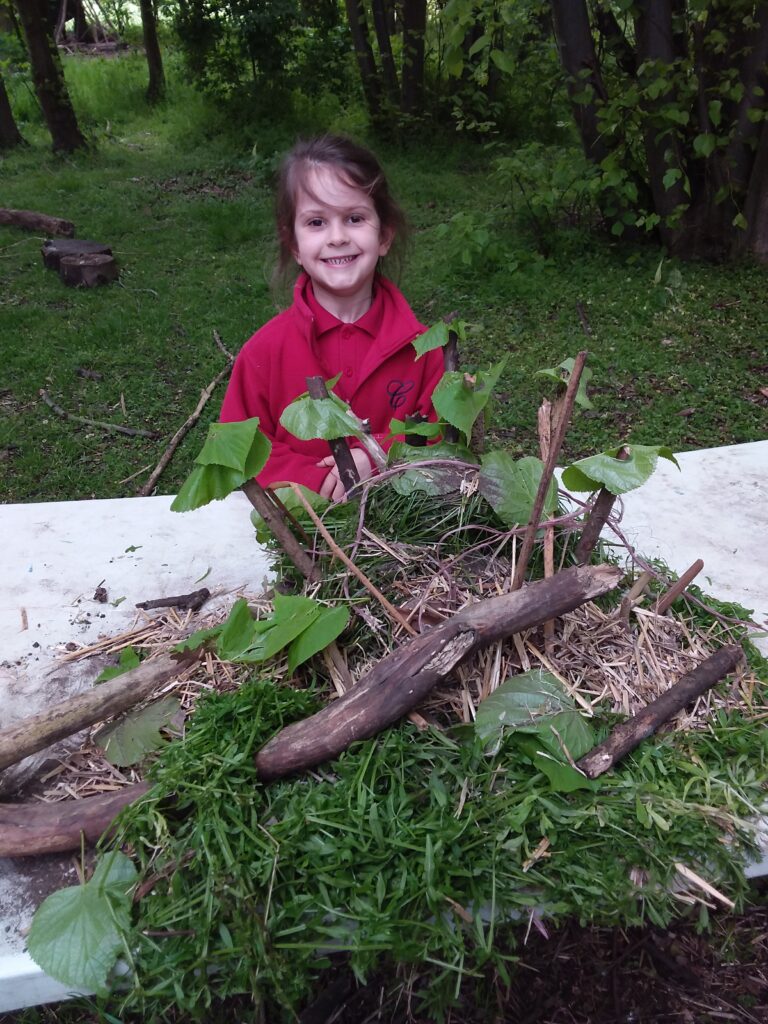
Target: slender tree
[366,62]
[381,24]
[156,87]
[10,135]
[412,77]
[48,76]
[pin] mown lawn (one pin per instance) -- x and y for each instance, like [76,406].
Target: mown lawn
[679,352]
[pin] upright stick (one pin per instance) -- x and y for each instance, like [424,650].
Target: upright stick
[549,468]
[345,464]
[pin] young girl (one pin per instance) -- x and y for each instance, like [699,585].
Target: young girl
[336,219]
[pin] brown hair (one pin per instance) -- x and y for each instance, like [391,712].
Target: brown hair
[358,167]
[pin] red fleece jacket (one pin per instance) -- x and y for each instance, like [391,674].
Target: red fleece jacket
[272,369]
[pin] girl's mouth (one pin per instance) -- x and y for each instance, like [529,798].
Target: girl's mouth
[339,261]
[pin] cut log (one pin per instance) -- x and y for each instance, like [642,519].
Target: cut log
[54,251]
[401,680]
[630,734]
[88,270]
[31,221]
[29,829]
[102,702]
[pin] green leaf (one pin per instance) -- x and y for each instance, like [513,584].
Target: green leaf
[510,487]
[326,418]
[127,741]
[479,44]
[616,475]
[238,631]
[435,337]
[198,638]
[429,479]
[704,144]
[129,658]
[562,375]
[292,615]
[459,398]
[740,221]
[715,110]
[326,627]
[205,484]
[503,61]
[430,430]
[562,777]
[230,444]
[78,932]
[521,702]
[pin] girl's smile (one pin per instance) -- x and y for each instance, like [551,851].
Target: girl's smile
[338,241]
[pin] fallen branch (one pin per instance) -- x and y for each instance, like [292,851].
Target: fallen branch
[549,468]
[598,517]
[401,680]
[186,602]
[116,427]
[629,734]
[147,488]
[29,220]
[95,705]
[29,829]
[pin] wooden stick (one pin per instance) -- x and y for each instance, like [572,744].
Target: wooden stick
[401,680]
[451,365]
[629,734]
[29,220]
[95,705]
[545,441]
[221,347]
[549,468]
[116,427]
[598,517]
[273,517]
[187,602]
[345,464]
[667,600]
[147,488]
[30,829]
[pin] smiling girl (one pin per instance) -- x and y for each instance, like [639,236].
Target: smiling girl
[336,219]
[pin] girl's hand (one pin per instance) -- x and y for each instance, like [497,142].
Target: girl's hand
[332,487]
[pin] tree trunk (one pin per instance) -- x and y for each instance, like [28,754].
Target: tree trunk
[10,135]
[156,87]
[412,77]
[576,47]
[755,238]
[369,76]
[48,77]
[381,25]
[656,45]
[30,220]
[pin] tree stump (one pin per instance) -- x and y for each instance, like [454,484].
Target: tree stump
[88,270]
[54,251]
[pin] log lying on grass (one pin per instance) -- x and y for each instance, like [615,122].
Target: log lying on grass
[95,705]
[88,270]
[29,829]
[401,680]
[29,220]
[629,734]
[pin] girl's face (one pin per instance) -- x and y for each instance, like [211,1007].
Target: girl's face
[338,239]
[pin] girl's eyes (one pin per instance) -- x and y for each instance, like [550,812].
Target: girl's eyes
[353,218]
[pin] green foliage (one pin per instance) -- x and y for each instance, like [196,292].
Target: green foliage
[299,623]
[510,487]
[127,741]
[328,418]
[77,933]
[616,475]
[232,454]
[129,659]
[459,398]
[561,374]
[431,479]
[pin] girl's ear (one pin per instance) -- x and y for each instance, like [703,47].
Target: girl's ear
[386,238]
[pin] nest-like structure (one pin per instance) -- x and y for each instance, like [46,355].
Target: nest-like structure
[432,557]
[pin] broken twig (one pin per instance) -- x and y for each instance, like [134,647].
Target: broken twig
[186,602]
[116,427]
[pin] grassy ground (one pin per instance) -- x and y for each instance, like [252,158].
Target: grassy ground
[679,355]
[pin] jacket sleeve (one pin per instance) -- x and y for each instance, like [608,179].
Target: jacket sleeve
[244,399]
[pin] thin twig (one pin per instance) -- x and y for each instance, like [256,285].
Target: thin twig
[549,468]
[221,346]
[116,427]
[389,608]
[147,488]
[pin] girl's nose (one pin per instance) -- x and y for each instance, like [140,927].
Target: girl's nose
[338,233]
